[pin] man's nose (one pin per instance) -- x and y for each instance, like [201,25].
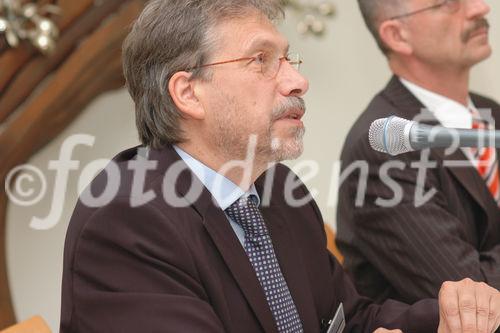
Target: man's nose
[291,81]
[477,8]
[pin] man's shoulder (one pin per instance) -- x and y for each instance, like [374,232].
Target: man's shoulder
[379,107]
[120,173]
[130,182]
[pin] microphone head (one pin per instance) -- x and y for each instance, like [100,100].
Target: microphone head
[390,135]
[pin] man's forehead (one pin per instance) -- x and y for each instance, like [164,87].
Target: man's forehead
[252,33]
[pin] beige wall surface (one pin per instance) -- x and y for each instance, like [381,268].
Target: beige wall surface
[345,70]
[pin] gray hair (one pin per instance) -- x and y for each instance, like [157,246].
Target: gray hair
[171,36]
[375,12]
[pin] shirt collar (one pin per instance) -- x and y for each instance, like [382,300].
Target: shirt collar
[447,111]
[223,190]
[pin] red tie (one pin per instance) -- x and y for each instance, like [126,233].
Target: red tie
[487,159]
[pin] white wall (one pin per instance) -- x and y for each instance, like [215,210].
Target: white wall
[34,257]
[345,70]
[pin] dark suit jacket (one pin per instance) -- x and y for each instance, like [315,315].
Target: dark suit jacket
[406,252]
[156,268]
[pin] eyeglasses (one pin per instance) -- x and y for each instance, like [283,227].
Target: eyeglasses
[450,5]
[269,65]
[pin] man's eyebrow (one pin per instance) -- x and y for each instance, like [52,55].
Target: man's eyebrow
[265,44]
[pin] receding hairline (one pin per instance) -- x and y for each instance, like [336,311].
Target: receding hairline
[375,12]
[394,8]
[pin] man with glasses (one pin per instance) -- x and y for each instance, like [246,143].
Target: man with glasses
[421,226]
[203,234]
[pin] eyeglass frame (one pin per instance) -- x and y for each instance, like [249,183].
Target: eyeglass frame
[297,62]
[418,11]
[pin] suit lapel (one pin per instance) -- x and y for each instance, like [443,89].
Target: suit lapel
[291,266]
[221,233]
[475,185]
[242,270]
[279,222]
[238,263]
[492,226]
[467,176]
[410,107]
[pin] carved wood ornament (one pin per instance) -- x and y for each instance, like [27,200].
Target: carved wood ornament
[41,95]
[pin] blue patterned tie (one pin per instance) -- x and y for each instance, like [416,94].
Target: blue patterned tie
[259,248]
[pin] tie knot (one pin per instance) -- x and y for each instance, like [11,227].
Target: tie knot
[246,213]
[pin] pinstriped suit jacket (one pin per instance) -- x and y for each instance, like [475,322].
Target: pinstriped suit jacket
[406,252]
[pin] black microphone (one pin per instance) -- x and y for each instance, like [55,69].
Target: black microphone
[394,135]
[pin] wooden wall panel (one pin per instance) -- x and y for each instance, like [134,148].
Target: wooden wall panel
[25,73]
[40,96]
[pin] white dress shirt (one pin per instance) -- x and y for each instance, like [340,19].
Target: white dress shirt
[224,191]
[448,112]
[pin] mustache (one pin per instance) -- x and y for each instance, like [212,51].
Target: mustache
[290,103]
[478,24]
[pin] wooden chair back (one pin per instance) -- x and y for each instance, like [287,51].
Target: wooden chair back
[330,235]
[33,325]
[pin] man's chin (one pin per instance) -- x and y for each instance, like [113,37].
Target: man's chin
[488,51]
[296,154]
[287,146]
[286,150]
[481,53]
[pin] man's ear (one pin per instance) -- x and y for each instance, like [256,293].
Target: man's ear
[395,36]
[183,93]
